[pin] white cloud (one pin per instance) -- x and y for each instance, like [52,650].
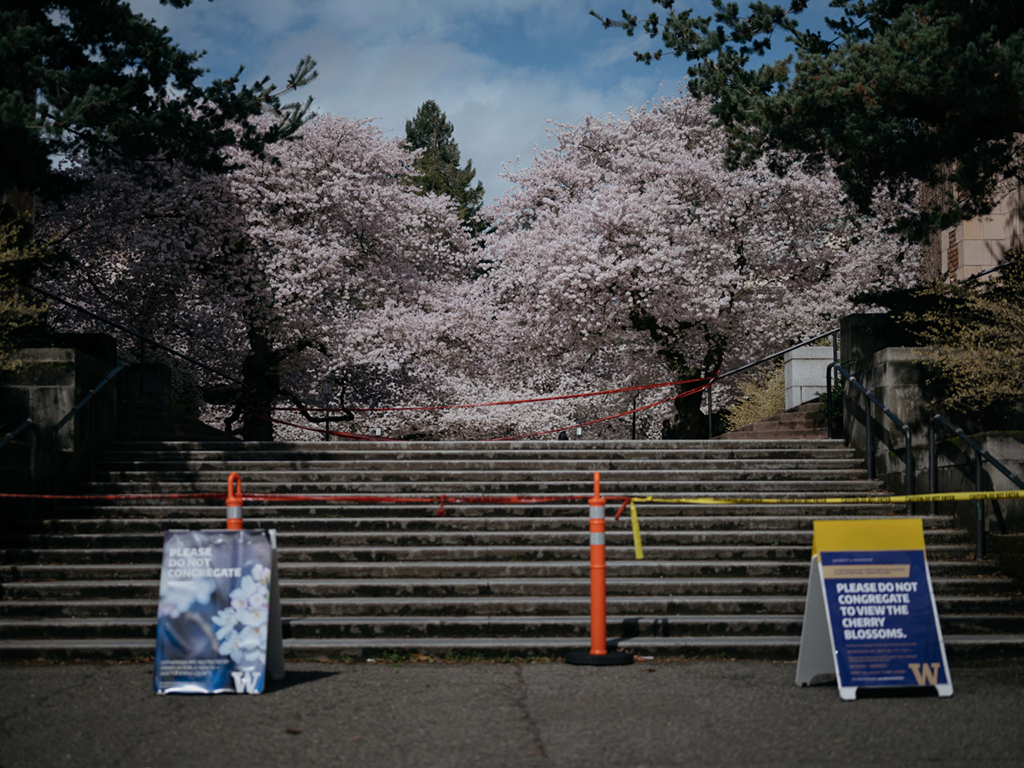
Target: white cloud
[498,68]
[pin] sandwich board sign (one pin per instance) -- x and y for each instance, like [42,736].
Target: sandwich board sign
[870,617]
[219,615]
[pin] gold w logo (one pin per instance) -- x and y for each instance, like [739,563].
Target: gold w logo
[926,674]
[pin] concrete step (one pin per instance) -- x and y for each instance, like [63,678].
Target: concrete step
[448,464]
[474,587]
[768,434]
[805,421]
[497,575]
[569,478]
[202,514]
[612,484]
[462,523]
[1002,605]
[444,563]
[488,542]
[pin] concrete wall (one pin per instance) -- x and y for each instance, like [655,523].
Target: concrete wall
[956,472]
[897,377]
[46,386]
[860,337]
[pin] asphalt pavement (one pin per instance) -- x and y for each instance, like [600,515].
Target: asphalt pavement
[652,713]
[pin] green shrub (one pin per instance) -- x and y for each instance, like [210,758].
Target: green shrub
[762,394]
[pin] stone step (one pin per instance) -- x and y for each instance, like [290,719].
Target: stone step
[508,605]
[398,588]
[451,522]
[612,484]
[441,538]
[788,428]
[505,571]
[440,563]
[810,463]
[21,567]
[767,434]
[202,514]
[343,475]
[402,449]
[805,421]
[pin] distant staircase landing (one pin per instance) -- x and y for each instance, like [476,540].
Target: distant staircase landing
[802,422]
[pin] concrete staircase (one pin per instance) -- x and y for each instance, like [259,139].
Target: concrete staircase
[803,422]
[494,579]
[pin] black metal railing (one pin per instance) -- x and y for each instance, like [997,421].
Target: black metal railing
[834,333]
[980,457]
[79,406]
[870,400]
[9,437]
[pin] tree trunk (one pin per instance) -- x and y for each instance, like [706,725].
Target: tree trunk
[690,422]
[262,388]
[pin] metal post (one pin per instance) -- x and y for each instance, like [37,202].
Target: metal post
[635,396]
[234,502]
[869,437]
[598,574]
[599,654]
[980,509]
[828,399]
[909,461]
[711,428]
[327,392]
[933,469]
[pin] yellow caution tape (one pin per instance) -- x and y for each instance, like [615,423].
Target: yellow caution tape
[636,531]
[920,497]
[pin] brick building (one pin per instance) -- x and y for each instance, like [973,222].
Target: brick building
[978,244]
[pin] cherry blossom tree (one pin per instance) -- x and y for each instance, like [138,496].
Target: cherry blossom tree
[625,255]
[630,239]
[275,269]
[459,348]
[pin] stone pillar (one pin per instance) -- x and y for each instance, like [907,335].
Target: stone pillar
[46,386]
[805,374]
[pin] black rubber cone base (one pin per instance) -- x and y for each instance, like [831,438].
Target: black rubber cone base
[610,659]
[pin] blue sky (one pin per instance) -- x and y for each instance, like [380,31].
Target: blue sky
[499,69]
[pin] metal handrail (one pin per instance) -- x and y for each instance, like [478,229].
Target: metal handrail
[140,336]
[871,399]
[73,412]
[979,275]
[15,432]
[835,356]
[980,455]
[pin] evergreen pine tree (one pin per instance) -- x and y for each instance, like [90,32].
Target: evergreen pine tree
[438,165]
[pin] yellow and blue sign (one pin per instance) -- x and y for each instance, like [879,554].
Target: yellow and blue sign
[870,617]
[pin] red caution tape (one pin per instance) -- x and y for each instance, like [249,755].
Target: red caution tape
[113,496]
[638,388]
